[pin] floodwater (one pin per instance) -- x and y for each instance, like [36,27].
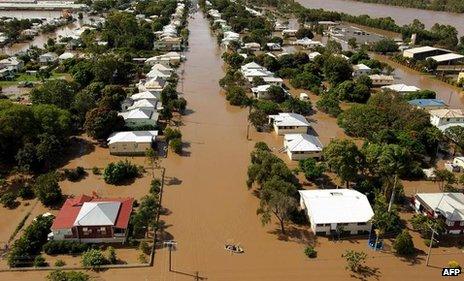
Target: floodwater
[42,38]
[400,14]
[453,96]
[207,202]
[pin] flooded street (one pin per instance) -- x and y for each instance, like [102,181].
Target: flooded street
[400,14]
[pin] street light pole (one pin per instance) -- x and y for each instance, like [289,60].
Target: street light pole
[170,244]
[430,246]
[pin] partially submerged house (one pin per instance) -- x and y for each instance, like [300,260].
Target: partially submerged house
[48,58]
[93,220]
[445,118]
[140,117]
[401,88]
[428,104]
[289,123]
[381,80]
[302,146]
[337,211]
[448,207]
[361,69]
[131,142]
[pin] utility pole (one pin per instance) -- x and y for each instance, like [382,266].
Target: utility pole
[432,240]
[171,244]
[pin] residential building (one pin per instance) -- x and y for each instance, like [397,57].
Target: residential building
[361,69]
[131,142]
[459,161]
[381,80]
[289,32]
[12,64]
[168,44]
[401,88]
[140,117]
[428,104]
[302,146]
[273,46]
[93,220]
[252,46]
[445,118]
[48,58]
[448,59]
[289,123]
[448,207]
[66,56]
[422,53]
[307,43]
[337,211]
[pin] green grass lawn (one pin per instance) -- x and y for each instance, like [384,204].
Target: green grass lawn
[22,77]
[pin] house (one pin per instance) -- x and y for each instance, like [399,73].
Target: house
[459,161]
[401,88]
[448,59]
[428,104]
[381,80]
[422,53]
[140,117]
[157,73]
[48,58]
[261,91]
[273,46]
[162,68]
[168,44]
[307,43]
[131,142]
[12,64]
[66,56]
[289,32]
[152,84]
[337,211]
[276,81]
[230,36]
[448,207]
[445,118]
[280,26]
[145,104]
[289,123]
[93,220]
[252,46]
[361,69]
[313,55]
[146,95]
[165,59]
[302,146]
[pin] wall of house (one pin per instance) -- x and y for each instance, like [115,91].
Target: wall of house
[139,122]
[290,130]
[305,155]
[129,148]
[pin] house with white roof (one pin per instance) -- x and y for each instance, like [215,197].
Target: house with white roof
[361,69]
[48,58]
[307,43]
[165,59]
[289,32]
[313,55]
[252,46]
[66,56]
[157,73]
[289,123]
[448,207]
[401,88]
[131,142]
[140,117]
[302,146]
[261,91]
[337,211]
[12,64]
[155,84]
[162,68]
[381,80]
[273,46]
[145,104]
[445,118]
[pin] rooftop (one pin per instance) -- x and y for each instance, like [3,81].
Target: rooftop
[289,119]
[302,142]
[133,136]
[337,205]
[401,88]
[447,113]
[450,205]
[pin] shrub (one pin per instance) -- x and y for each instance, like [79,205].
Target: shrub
[403,244]
[155,186]
[453,264]
[93,258]
[55,247]
[74,174]
[96,171]
[8,199]
[25,192]
[60,263]
[39,261]
[176,145]
[310,252]
[144,247]
[354,260]
[111,255]
[116,173]
[142,258]
[59,275]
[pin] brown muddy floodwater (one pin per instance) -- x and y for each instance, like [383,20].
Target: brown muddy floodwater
[400,14]
[208,203]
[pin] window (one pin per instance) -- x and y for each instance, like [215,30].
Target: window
[85,230]
[362,223]
[319,225]
[449,223]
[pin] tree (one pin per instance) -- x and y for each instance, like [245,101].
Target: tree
[311,169]
[47,189]
[383,220]
[57,92]
[456,135]
[333,47]
[423,225]
[176,145]
[385,46]
[304,33]
[100,122]
[329,104]
[275,199]
[403,244]
[445,179]
[258,119]
[354,260]
[337,69]
[342,157]
[116,173]
[352,43]
[276,94]
[8,199]
[93,258]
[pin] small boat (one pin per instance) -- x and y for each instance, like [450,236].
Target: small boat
[237,249]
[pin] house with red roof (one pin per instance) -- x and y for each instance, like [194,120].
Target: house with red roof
[93,220]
